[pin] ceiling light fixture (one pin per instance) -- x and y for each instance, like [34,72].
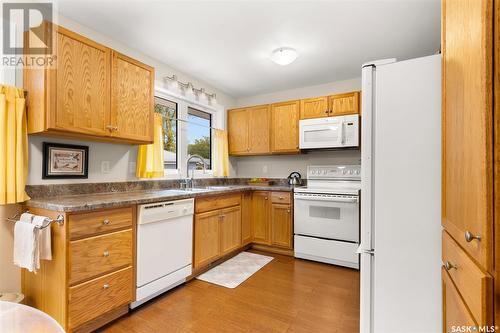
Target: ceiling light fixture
[284,55]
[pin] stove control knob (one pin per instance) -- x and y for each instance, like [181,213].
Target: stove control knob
[350,172]
[344,172]
[357,172]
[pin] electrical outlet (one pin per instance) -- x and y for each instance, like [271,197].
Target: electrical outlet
[105,167]
[264,168]
[131,167]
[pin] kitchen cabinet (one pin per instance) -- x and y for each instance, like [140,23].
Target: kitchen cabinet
[217,228]
[249,130]
[91,92]
[343,104]
[281,221]
[285,127]
[238,131]
[314,107]
[132,98]
[230,229]
[206,238]
[470,142]
[246,218]
[90,279]
[261,227]
[272,219]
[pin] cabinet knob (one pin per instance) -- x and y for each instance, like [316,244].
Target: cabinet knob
[105,253]
[265,198]
[112,128]
[469,236]
[281,198]
[449,266]
[106,286]
[105,222]
[327,111]
[288,210]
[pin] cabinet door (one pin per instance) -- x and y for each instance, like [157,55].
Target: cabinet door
[238,136]
[455,312]
[281,225]
[314,107]
[259,129]
[246,218]
[467,126]
[206,238]
[343,104]
[82,97]
[132,99]
[261,226]
[285,127]
[230,229]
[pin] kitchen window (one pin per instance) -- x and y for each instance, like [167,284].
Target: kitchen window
[168,110]
[199,137]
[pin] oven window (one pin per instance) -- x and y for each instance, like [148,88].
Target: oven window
[322,212]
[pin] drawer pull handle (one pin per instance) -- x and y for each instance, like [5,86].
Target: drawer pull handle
[449,266]
[106,286]
[105,222]
[469,237]
[106,253]
[281,198]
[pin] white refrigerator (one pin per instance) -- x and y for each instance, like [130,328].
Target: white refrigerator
[400,249]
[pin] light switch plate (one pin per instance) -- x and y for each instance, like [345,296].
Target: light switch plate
[105,167]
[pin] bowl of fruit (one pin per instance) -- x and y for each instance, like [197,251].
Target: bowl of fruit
[260,181]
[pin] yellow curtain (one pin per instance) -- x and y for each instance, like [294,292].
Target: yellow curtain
[150,157]
[13,145]
[220,160]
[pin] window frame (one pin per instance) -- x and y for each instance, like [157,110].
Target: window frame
[183,103]
[176,169]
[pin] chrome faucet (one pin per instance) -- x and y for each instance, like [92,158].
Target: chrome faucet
[190,181]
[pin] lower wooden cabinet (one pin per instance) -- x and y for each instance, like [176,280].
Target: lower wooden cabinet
[272,222]
[90,279]
[455,312]
[281,225]
[217,232]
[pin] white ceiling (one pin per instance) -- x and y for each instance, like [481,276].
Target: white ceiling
[227,43]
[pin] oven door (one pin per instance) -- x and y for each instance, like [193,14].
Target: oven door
[327,216]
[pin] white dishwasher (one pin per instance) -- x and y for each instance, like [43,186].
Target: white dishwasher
[164,247]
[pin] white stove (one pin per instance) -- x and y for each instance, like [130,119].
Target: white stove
[326,220]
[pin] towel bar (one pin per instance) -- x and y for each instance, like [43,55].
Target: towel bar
[59,220]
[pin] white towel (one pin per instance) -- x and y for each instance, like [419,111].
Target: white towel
[44,239]
[26,217]
[25,245]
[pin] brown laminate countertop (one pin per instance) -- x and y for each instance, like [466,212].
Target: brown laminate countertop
[85,202]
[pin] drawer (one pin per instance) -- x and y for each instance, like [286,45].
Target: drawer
[93,223]
[455,312]
[281,197]
[91,299]
[90,257]
[217,202]
[475,286]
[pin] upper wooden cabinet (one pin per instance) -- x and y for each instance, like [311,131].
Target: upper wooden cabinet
[91,92]
[249,130]
[259,129]
[285,127]
[314,107]
[342,104]
[132,98]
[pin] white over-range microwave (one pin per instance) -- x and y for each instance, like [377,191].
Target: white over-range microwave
[329,132]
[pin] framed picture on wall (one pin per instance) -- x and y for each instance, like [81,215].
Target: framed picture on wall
[65,161]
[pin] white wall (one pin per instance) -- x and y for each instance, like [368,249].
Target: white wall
[281,166]
[305,92]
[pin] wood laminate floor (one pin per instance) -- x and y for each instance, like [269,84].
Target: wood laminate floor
[287,295]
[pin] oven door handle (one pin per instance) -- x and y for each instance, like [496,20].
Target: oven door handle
[330,199]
